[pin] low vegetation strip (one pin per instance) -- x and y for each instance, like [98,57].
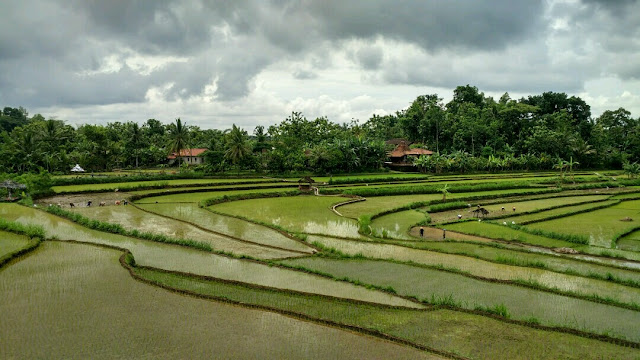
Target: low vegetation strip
[32,231]
[81,180]
[429,189]
[179,186]
[376,179]
[227,198]
[118,229]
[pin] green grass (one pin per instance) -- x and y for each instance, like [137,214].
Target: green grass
[466,333]
[493,231]
[600,226]
[557,212]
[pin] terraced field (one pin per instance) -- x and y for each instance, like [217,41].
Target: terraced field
[559,277]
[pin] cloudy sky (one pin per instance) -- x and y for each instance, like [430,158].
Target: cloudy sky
[214,63]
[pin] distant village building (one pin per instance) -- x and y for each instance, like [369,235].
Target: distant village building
[397,141]
[189,156]
[402,155]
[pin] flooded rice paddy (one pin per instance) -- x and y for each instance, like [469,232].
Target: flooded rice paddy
[188,260]
[227,225]
[79,296]
[522,303]
[396,225]
[10,242]
[580,264]
[485,269]
[308,214]
[132,218]
[480,270]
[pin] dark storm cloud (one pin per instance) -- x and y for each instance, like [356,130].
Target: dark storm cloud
[53,52]
[432,24]
[370,57]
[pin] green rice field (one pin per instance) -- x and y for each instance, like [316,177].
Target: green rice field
[246,268]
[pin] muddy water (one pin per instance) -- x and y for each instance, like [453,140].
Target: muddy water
[177,258]
[76,301]
[486,269]
[10,242]
[226,225]
[522,303]
[132,218]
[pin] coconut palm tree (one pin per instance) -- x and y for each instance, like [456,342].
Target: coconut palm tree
[179,136]
[237,148]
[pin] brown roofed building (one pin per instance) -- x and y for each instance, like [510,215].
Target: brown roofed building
[397,141]
[189,156]
[402,155]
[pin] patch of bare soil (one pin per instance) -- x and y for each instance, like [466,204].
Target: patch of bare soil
[81,200]
[431,233]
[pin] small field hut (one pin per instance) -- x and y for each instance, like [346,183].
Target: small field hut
[305,184]
[11,185]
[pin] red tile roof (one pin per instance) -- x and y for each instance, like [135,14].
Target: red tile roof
[188,152]
[402,150]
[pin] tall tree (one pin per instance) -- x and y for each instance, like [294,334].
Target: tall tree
[237,149]
[179,138]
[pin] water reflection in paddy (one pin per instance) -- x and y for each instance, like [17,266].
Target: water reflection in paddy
[177,258]
[226,225]
[485,269]
[132,218]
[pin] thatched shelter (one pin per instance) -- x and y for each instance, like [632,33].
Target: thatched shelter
[12,185]
[305,183]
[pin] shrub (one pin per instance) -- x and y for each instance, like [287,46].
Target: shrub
[32,231]
[364,223]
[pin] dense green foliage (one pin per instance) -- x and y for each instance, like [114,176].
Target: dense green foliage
[472,132]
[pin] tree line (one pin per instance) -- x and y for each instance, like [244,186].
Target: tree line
[471,132]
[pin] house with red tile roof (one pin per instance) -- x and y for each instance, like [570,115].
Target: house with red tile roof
[402,155]
[189,156]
